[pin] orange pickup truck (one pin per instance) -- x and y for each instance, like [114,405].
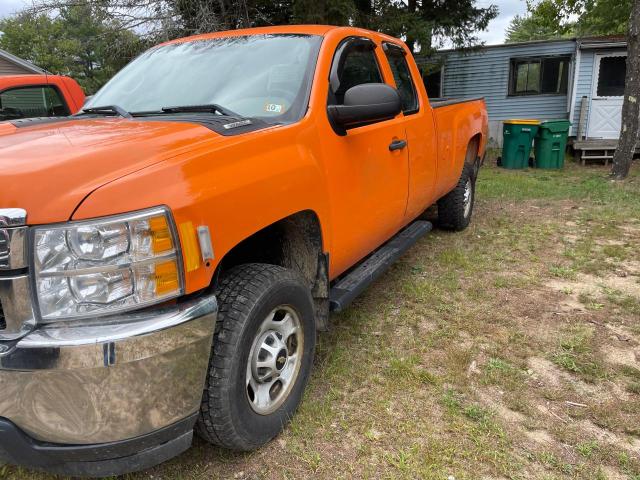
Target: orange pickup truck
[26,96]
[168,254]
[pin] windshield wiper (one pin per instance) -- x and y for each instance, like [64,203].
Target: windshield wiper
[107,110]
[211,108]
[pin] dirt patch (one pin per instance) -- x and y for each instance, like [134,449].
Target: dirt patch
[611,473]
[545,372]
[595,289]
[509,415]
[622,356]
[570,238]
[607,242]
[540,436]
[590,284]
[631,267]
[493,401]
[622,334]
[606,436]
[627,285]
[630,229]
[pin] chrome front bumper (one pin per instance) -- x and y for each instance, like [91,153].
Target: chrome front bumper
[81,384]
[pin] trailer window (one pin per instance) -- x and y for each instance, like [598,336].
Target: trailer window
[611,77]
[539,76]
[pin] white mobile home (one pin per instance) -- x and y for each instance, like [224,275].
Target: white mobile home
[581,80]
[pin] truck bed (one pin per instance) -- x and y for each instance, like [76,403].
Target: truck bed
[453,116]
[445,102]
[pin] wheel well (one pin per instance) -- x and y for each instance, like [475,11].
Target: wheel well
[473,148]
[295,242]
[472,158]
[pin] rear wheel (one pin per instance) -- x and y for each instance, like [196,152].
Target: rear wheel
[455,208]
[261,357]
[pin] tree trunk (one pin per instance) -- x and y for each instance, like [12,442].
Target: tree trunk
[631,106]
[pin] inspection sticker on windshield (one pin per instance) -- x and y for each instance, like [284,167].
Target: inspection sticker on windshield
[240,123]
[273,108]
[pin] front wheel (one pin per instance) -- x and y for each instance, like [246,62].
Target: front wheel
[456,207]
[261,358]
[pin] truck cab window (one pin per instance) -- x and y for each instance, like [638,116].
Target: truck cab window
[25,102]
[402,76]
[359,66]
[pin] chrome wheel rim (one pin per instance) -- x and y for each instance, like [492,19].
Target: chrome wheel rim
[468,194]
[274,360]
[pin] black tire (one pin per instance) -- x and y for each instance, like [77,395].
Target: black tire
[246,296]
[452,211]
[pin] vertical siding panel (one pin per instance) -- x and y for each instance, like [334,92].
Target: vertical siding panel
[583,85]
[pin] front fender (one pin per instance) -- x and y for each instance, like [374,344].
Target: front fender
[236,188]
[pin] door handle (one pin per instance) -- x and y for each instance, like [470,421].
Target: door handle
[397,145]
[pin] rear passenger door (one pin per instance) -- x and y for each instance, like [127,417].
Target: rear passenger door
[370,171]
[419,129]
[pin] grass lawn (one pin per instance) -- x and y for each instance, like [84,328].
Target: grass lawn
[508,351]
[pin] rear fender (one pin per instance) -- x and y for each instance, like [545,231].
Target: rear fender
[457,126]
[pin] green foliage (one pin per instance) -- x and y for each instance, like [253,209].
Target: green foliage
[545,20]
[576,354]
[603,17]
[421,23]
[32,38]
[92,39]
[548,19]
[80,41]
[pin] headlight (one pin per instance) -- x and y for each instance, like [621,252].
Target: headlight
[103,266]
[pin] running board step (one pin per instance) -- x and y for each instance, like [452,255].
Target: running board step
[353,284]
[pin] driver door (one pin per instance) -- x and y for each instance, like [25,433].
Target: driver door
[370,164]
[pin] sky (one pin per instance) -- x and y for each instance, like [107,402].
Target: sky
[497,28]
[8,7]
[495,35]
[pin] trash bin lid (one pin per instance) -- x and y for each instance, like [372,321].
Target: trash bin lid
[518,121]
[556,126]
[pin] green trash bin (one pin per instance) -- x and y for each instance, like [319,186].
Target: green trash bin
[551,144]
[517,136]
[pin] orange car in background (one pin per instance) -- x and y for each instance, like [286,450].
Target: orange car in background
[28,96]
[168,253]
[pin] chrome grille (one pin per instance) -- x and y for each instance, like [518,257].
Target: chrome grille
[16,311]
[13,248]
[4,248]
[3,322]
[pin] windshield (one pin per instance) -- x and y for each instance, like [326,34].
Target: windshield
[265,76]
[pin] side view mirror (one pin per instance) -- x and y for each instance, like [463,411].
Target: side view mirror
[363,104]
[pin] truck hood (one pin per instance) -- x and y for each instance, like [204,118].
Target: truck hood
[49,169]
